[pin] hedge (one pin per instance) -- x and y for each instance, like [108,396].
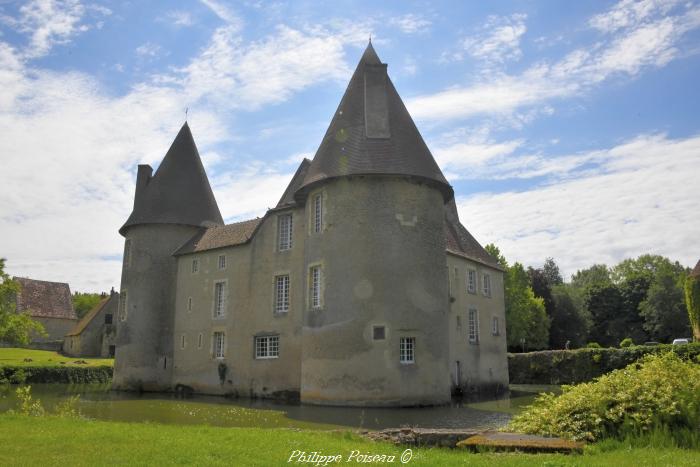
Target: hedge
[582,365]
[54,374]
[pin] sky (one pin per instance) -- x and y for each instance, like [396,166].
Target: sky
[568,129]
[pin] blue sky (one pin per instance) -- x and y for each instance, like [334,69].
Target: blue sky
[568,129]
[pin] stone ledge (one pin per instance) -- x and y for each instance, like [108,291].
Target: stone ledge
[515,441]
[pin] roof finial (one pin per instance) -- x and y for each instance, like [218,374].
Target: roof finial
[187,109]
[370,38]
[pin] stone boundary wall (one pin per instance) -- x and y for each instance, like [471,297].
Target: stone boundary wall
[582,365]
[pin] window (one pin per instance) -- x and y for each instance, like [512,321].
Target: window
[407,347]
[267,347]
[127,253]
[219,299]
[315,286]
[449,283]
[284,232]
[487,285]
[200,340]
[459,322]
[471,281]
[189,303]
[195,266]
[108,319]
[183,341]
[494,326]
[222,261]
[473,326]
[379,333]
[318,213]
[122,305]
[219,344]
[281,294]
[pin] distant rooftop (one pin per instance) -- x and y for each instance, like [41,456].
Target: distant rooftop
[45,299]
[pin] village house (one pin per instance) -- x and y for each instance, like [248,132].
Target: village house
[361,287]
[95,334]
[49,303]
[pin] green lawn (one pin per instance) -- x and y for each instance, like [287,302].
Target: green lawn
[64,441]
[16,357]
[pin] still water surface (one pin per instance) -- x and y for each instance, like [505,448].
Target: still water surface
[98,402]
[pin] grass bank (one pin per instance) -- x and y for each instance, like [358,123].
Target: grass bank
[43,366]
[69,441]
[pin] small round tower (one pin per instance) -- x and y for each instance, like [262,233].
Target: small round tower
[170,207]
[375,328]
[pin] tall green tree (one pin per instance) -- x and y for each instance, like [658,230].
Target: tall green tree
[570,322]
[604,302]
[692,300]
[84,302]
[664,309]
[550,270]
[526,319]
[15,328]
[598,274]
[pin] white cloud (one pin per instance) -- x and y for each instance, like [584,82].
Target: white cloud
[223,12]
[651,44]
[149,49]
[641,199]
[630,13]
[177,18]
[411,23]
[500,39]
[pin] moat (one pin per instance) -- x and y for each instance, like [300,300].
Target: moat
[98,402]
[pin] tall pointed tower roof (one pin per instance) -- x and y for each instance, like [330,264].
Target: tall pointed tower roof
[372,133]
[178,193]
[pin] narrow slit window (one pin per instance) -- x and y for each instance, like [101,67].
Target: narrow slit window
[471,281]
[195,266]
[318,213]
[127,253]
[219,299]
[122,305]
[222,261]
[473,326]
[315,286]
[284,232]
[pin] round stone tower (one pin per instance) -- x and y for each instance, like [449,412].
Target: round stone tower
[375,327]
[170,207]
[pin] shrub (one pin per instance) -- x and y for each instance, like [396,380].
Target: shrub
[593,345]
[658,392]
[27,405]
[626,342]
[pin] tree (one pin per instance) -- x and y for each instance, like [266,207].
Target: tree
[643,266]
[598,274]
[526,318]
[603,302]
[663,309]
[494,251]
[84,302]
[15,328]
[692,300]
[550,270]
[569,322]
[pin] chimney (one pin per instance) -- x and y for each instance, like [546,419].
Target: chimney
[143,176]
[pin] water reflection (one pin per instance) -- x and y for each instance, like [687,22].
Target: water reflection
[97,401]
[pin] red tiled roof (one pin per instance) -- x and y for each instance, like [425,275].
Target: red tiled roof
[45,299]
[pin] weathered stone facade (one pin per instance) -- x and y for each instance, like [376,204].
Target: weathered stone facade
[352,291]
[95,333]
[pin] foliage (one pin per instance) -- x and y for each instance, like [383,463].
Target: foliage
[15,328]
[692,302]
[494,251]
[526,318]
[660,391]
[626,342]
[56,374]
[68,407]
[583,365]
[646,266]
[569,320]
[550,269]
[593,345]
[596,275]
[27,405]
[663,309]
[84,302]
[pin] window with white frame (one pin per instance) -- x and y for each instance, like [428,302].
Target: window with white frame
[122,305]
[407,350]
[200,340]
[282,293]
[222,261]
[267,347]
[315,286]
[494,326]
[183,341]
[189,304]
[195,266]
[487,285]
[473,326]
[471,281]
[284,232]
[219,299]
[219,343]
[127,253]
[318,213]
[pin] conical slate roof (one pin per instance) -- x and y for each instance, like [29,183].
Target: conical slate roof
[178,193]
[372,133]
